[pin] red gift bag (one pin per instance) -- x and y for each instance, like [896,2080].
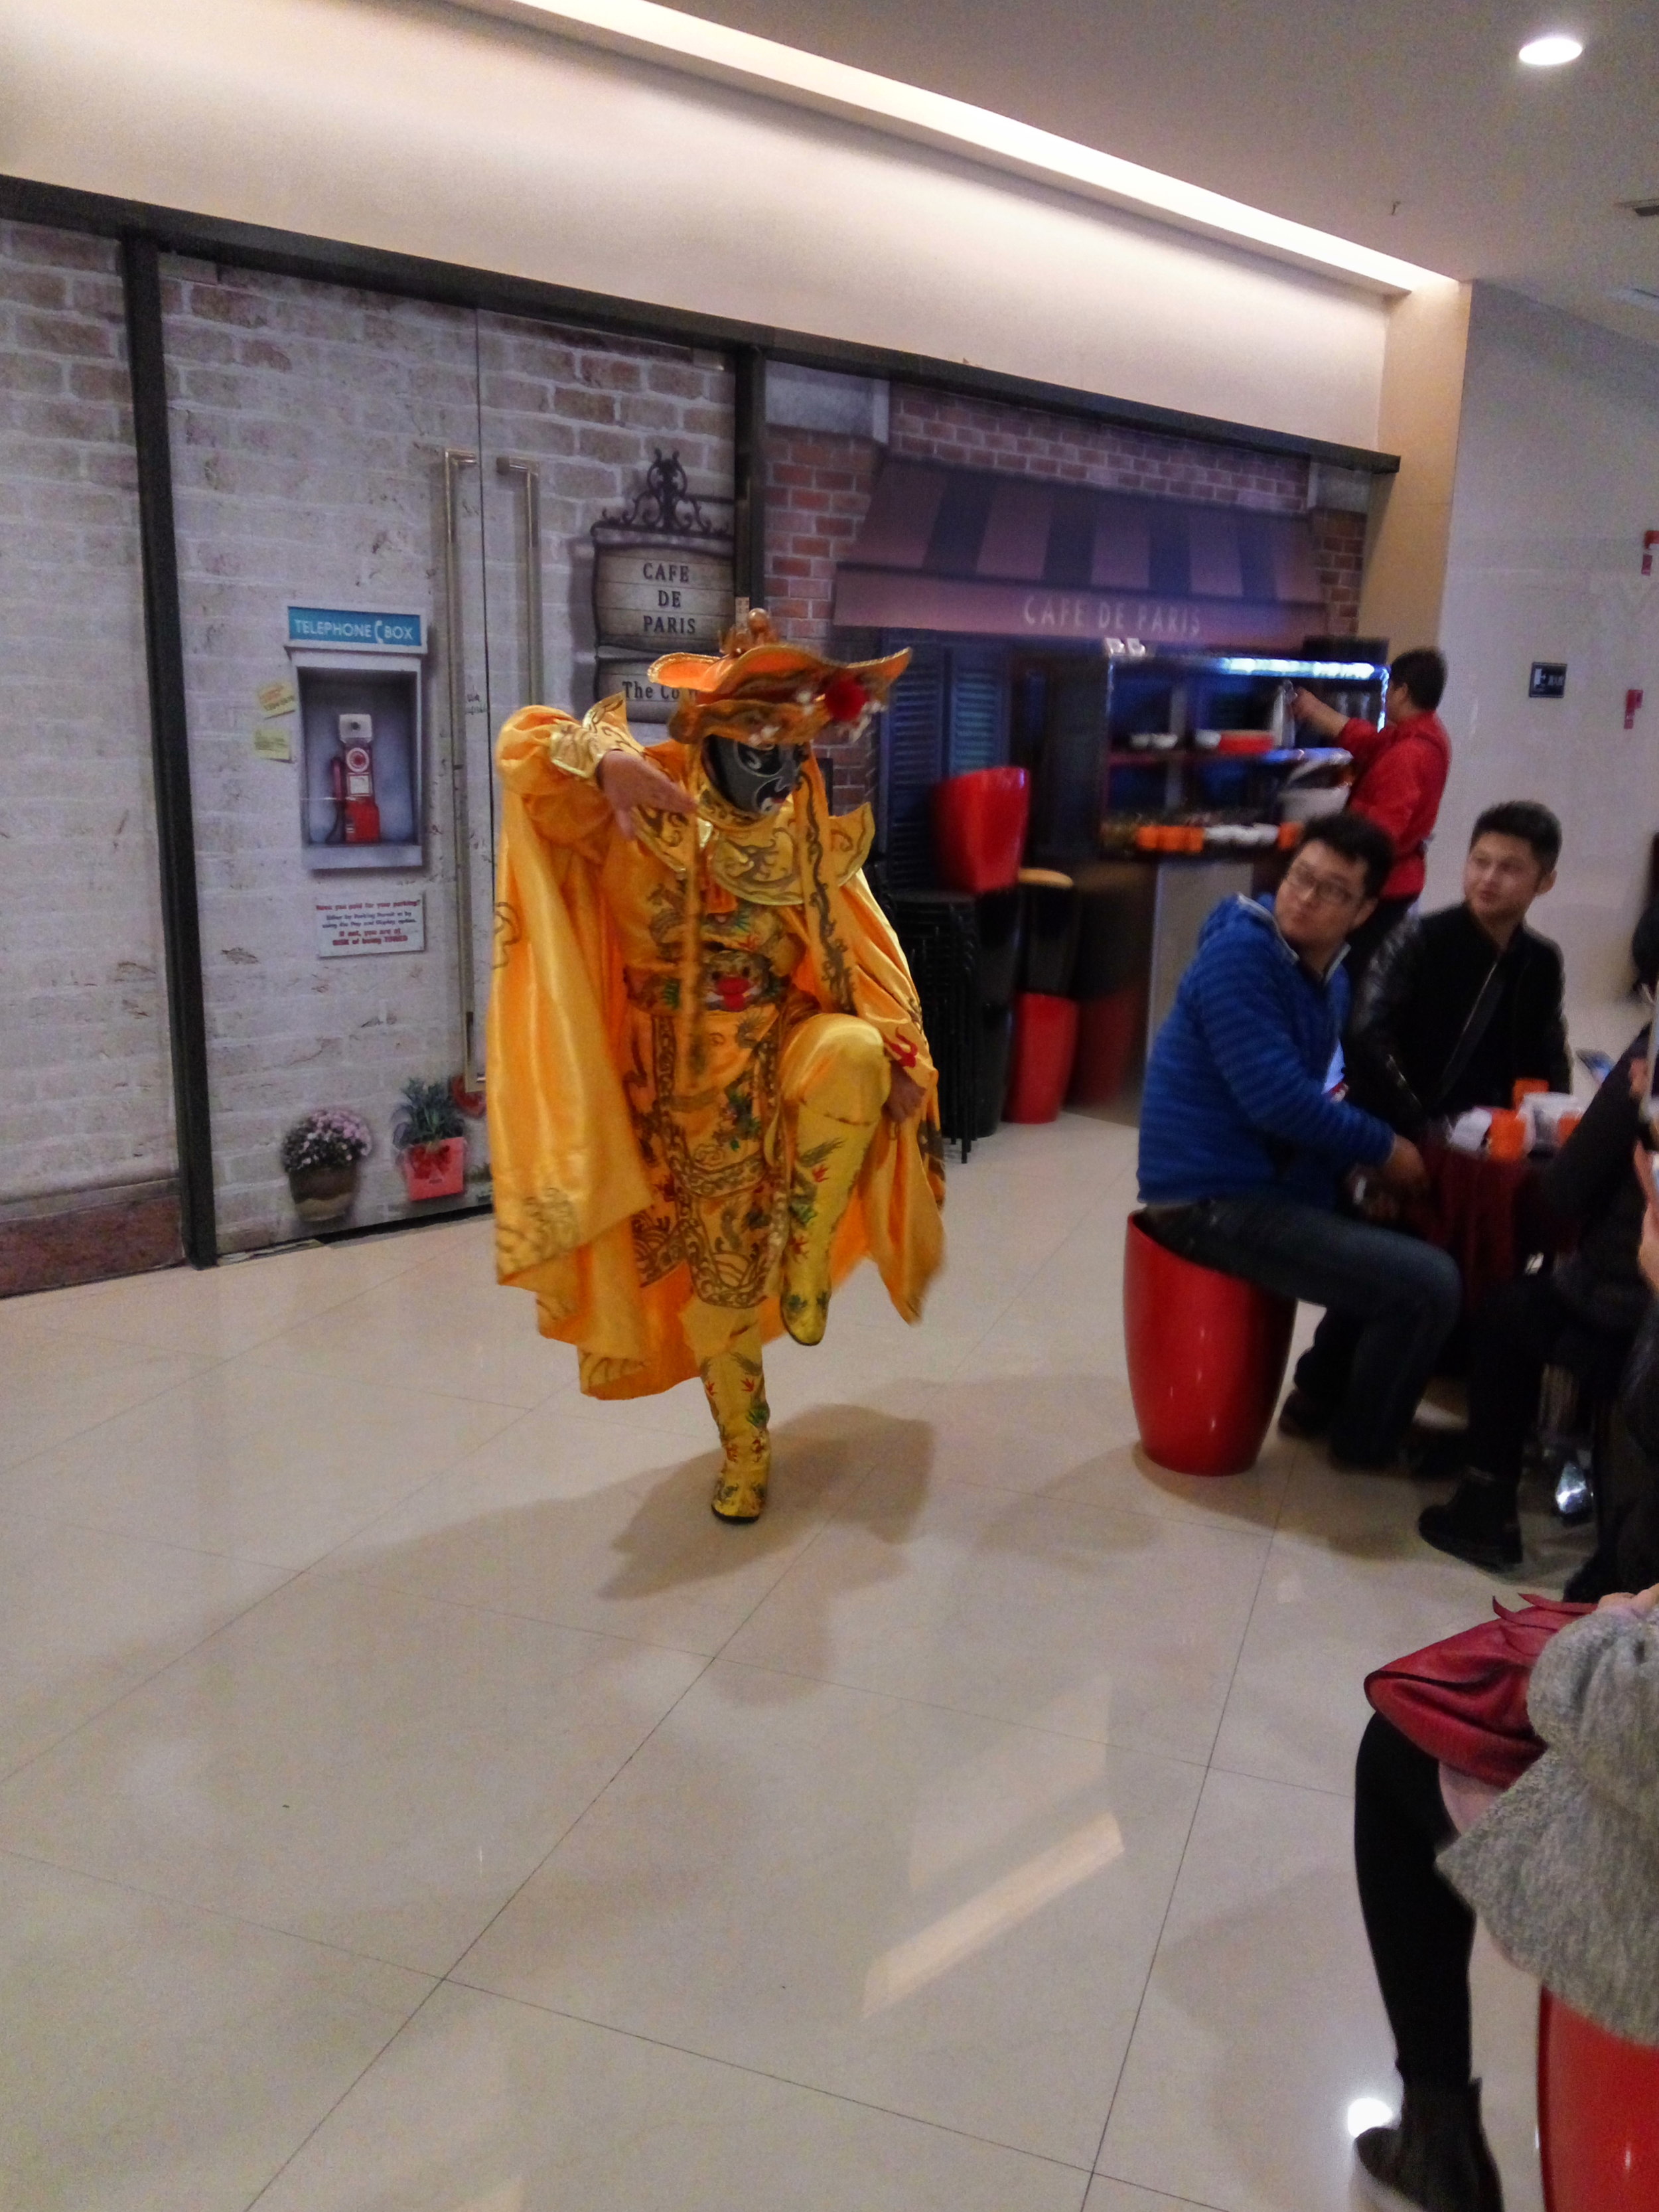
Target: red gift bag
[1464,1700]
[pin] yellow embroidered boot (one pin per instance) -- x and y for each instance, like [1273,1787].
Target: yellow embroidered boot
[835,1077]
[736,1390]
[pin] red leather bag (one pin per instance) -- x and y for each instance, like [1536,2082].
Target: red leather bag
[1464,1700]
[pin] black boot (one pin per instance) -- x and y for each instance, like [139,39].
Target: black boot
[1303,1415]
[1477,1523]
[1437,2159]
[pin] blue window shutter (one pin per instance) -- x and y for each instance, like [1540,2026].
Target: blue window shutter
[913,761]
[979,708]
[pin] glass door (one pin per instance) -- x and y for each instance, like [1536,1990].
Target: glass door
[393,518]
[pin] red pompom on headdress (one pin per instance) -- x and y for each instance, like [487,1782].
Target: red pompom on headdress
[845,698]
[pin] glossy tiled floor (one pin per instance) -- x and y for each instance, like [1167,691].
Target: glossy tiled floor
[412,1801]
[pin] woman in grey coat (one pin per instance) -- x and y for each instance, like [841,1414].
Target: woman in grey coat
[1563,1869]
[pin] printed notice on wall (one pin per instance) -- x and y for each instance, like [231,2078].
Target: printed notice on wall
[349,927]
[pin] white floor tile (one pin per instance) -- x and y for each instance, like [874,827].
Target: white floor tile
[1262,2023]
[249,1461]
[582,1514]
[1349,1585]
[57,1385]
[152,2056]
[351,1763]
[877,1898]
[85,1615]
[336,1627]
[1122,1626]
[497,2107]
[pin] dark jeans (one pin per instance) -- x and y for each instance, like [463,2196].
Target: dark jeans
[1521,1328]
[1420,1931]
[1399,1296]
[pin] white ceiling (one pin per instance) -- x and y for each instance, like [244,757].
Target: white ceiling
[1406,125]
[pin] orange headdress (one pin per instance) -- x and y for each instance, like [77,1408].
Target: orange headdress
[763,691]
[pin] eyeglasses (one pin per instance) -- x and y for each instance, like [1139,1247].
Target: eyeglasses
[1323,891]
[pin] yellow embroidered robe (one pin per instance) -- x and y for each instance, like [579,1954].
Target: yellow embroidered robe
[627,1185]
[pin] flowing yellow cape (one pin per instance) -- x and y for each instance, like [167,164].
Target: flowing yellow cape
[567,1170]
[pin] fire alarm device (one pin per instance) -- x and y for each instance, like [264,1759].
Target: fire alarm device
[1633,709]
[358,818]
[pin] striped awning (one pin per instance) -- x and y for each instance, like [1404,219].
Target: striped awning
[971,551]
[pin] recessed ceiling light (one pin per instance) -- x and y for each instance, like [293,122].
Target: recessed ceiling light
[1550,50]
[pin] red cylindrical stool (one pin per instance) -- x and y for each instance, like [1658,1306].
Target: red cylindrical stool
[1045,1044]
[1207,1357]
[1598,2115]
[1110,1035]
[979,828]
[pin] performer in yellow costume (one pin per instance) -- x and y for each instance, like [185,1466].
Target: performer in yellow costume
[710,1094]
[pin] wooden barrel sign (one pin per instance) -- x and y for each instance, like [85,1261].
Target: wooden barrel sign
[654,594]
[646,701]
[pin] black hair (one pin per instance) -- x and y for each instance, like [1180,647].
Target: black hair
[1645,947]
[1423,673]
[1355,837]
[1524,818]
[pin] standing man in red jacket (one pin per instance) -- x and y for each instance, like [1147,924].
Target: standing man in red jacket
[1402,777]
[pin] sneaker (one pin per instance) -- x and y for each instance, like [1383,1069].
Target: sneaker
[1477,1523]
[1437,2159]
[1302,1416]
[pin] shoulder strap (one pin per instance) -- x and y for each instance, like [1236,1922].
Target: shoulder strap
[1476,1028]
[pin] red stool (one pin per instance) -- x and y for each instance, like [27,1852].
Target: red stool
[1207,1357]
[979,828]
[1045,1044]
[1598,2115]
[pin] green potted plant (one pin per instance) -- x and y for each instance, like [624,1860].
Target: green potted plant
[321,1157]
[430,1135]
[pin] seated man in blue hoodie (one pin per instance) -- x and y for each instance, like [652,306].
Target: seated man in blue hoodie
[1243,1149]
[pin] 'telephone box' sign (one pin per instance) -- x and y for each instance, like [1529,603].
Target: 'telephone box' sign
[356,630]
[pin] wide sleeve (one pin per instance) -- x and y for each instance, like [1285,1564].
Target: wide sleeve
[549,760]
[883,991]
[1243,1021]
[1595,1697]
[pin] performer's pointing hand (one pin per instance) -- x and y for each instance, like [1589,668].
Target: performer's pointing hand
[905,1095]
[628,780]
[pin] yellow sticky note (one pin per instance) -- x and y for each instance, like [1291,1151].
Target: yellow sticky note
[272,741]
[276,699]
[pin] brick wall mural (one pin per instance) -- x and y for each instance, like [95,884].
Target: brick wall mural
[308,425]
[819,485]
[85,1082]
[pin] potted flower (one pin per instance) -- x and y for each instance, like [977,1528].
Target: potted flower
[321,1157]
[430,1135]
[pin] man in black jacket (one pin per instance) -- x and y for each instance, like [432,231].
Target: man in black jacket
[1583,1314]
[1457,1005]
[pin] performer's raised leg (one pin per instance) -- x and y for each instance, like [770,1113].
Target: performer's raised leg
[836,1076]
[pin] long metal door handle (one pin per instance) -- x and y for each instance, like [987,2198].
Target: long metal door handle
[530,477]
[457,458]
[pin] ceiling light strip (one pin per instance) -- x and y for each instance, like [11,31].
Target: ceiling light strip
[640,27]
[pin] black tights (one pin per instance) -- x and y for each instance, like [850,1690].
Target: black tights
[1419,1929]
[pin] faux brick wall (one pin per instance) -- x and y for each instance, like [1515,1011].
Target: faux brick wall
[592,412]
[974,433]
[307,424]
[1338,549]
[85,1082]
[819,485]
